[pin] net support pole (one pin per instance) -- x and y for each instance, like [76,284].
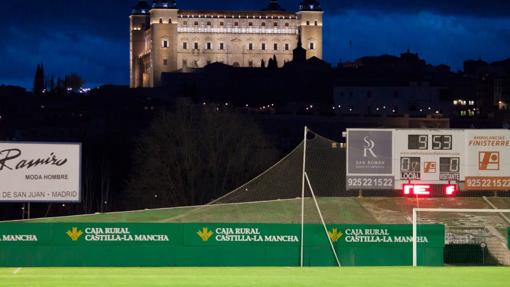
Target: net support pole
[322,220]
[301,261]
[415,253]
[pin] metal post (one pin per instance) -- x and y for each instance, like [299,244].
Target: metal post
[303,199]
[28,211]
[415,261]
[322,220]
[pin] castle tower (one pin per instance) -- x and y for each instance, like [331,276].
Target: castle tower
[164,39]
[310,22]
[138,24]
[163,21]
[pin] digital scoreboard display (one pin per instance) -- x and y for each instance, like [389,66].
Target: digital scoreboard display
[438,142]
[474,159]
[449,168]
[410,168]
[429,156]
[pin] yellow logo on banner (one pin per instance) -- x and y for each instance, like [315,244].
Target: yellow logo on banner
[335,234]
[205,234]
[74,233]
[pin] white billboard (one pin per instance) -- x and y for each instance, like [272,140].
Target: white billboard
[40,172]
[431,156]
[488,160]
[370,159]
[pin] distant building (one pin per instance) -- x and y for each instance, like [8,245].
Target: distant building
[294,88]
[492,83]
[391,85]
[397,98]
[167,39]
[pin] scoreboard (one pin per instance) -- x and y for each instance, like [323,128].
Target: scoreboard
[390,158]
[430,156]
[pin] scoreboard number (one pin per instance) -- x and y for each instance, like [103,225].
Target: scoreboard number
[449,168]
[441,142]
[449,164]
[418,142]
[410,168]
[421,142]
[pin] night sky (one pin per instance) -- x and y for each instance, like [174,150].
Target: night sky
[91,37]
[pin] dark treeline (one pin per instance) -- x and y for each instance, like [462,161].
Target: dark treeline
[139,151]
[205,133]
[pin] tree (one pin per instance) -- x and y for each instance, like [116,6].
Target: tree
[74,81]
[273,63]
[194,155]
[39,80]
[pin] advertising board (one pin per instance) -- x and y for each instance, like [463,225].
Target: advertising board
[40,172]
[488,160]
[369,159]
[214,244]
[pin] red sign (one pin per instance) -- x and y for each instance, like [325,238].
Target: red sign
[416,189]
[450,189]
[426,189]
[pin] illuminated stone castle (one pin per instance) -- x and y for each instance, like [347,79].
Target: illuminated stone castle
[167,39]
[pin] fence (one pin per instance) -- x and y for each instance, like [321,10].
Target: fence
[171,244]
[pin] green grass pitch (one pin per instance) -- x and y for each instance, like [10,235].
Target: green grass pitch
[255,276]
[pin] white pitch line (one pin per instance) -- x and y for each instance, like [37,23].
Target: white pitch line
[16,271]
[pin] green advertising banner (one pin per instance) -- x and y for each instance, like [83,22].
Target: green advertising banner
[146,244]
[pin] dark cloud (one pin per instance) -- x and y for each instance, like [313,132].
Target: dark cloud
[438,39]
[491,8]
[91,37]
[485,8]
